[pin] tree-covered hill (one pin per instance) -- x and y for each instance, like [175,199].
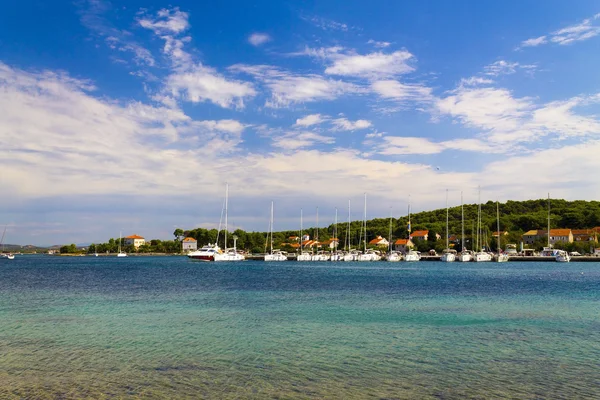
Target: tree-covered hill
[516,217]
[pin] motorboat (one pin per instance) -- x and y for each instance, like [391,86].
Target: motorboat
[412,256]
[276,255]
[393,256]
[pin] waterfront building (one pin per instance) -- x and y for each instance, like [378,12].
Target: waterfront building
[134,240]
[189,244]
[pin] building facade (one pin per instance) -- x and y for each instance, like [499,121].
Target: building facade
[189,244]
[134,240]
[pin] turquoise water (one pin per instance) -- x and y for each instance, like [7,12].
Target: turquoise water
[166,327]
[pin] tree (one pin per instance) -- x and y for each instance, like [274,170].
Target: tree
[178,233]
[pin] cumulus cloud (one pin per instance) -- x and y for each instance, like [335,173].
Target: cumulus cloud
[297,140]
[166,21]
[310,120]
[343,124]
[370,65]
[287,88]
[257,39]
[392,89]
[378,44]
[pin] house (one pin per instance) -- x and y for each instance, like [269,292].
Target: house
[379,242]
[134,240]
[423,235]
[189,244]
[305,237]
[556,235]
[331,243]
[403,245]
[502,233]
[309,244]
[530,236]
[419,235]
[294,238]
[584,235]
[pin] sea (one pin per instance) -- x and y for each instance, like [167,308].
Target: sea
[172,328]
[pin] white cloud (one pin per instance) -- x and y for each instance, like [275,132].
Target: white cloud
[309,120]
[167,21]
[533,42]
[343,124]
[378,44]
[297,140]
[288,89]
[575,33]
[325,24]
[392,89]
[400,145]
[371,65]
[475,81]
[200,83]
[224,125]
[587,29]
[257,39]
[503,67]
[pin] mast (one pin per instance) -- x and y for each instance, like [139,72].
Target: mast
[498,221]
[226,205]
[479,220]
[271,226]
[348,233]
[317,238]
[365,224]
[462,223]
[301,250]
[548,219]
[390,242]
[119,241]
[446,218]
[335,231]
[408,228]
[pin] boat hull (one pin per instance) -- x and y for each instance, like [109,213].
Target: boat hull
[448,257]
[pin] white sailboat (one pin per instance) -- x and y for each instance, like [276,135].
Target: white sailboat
[212,252]
[392,256]
[411,255]
[274,255]
[559,255]
[367,255]
[350,255]
[465,255]
[502,257]
[480,256]
[320,255]
[335,255]
[3,255]
[448,255]
[121,253]
[302,256]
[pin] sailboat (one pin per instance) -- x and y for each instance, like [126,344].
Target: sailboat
[276,255]
[465,255]
[212,252]
[392,256]
[559,255]
[3,255]
[411,255]
[320,255]
[351,255]
[502,257]
[335,255]
[367,255]
[448,255]
[480,256]
[121,253]
[302,256]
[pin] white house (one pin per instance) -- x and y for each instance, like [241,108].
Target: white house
[189,244]
[380,242]
[135,240]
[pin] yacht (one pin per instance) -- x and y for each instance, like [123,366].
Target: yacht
[369,255]
[561,256]
[302,256]
[480,256]
[121,253]
[394,256]
[3,255]
[276,255]
[351,255]
[320,256]
[412,256]
[501,257]
[448,254]
[212,252]
[465,256]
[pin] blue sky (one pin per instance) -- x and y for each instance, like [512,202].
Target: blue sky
[131,116]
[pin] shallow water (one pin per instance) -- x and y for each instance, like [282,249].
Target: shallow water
[166,327]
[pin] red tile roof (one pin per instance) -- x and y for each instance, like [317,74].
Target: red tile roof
[377,240]
[419,233]
[190,240]
[560,232]
[134,237]
[402,242]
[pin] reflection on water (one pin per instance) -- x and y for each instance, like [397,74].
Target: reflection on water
[168,328]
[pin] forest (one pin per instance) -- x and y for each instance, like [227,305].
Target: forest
[516,217]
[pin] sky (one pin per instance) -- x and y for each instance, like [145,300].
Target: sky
[132,116]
